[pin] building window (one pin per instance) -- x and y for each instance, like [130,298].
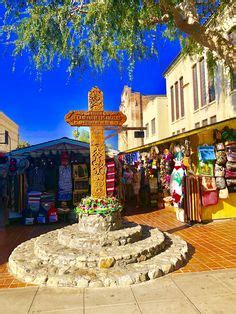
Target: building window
[181,89]
[177,100]
[202,82]
[178,132]
[204,122]
[153,122]
[211,88]
[232,80]
[232,38]
[195,88]
[213,119]
[147,129]
[197,125]
[232,35]
[183,130]
[172,104]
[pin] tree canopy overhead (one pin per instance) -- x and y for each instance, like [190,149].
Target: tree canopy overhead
[97,32]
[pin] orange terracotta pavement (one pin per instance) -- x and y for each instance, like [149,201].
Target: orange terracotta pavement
[212,246]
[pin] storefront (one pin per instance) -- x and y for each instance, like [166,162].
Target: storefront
[46,180]
[195,172]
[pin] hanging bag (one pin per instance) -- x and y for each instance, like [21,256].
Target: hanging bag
[224,193]
[221,158]
[206,153]
[230,174]
[209,198]
[231,156]
[231,166]
[220,183]
[209,193]
[219,171]
[208,184]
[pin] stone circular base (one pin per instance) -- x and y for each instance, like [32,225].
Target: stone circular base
[99,223]
[70,257]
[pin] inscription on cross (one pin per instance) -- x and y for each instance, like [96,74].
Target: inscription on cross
[96,118]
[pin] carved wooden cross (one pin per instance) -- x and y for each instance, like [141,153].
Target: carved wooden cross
[96,118]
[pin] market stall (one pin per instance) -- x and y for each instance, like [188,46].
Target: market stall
[47,179]
[195,172]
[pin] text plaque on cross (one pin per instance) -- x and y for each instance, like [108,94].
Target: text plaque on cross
[96,118]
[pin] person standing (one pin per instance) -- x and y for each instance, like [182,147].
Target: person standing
[4,214]
[136,186]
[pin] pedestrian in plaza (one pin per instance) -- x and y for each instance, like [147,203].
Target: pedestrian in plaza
[4,214]
[136,186]
[127,179]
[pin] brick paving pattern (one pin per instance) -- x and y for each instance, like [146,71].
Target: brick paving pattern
[212,246]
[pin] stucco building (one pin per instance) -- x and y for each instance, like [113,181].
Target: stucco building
[142,111]
[6,124]
[196,98]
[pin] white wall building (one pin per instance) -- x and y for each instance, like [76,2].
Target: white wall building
[195,98]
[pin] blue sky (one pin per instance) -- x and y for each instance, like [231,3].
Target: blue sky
[39,107]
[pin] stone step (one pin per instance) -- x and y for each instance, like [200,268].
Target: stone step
[24,265]
[73,238]
[49,249]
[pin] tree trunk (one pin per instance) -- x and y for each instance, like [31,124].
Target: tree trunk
[206,37]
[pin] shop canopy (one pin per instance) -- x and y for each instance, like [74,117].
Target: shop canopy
[203,131]
[55,146]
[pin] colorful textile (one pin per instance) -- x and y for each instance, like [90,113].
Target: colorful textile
[176,180]
[65,183]
[111,178]
[34,198]
[36,179]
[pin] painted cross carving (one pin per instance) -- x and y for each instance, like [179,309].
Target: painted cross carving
[96,118]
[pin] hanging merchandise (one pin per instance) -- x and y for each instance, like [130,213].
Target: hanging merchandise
[34,198]
[110,177]
[51,175]
[42,216]
[13,166]
[23,165]
[166,167]
[206,156]
[220,183]
[176,182]
[208,184]
[231,156]
[221,158]
[80,171]
[36,178]
[219,171]
[231,166]
[228,135]
[206,153]
[224,193]
[209,191]
[65,183]
[192,199]
[52,214]
[206,168]
[220,146]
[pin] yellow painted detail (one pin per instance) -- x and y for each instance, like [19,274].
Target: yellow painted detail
[224,209]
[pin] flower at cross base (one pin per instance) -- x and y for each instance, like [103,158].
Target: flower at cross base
[104,206]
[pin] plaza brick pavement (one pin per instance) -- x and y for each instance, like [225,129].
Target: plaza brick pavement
[212,245]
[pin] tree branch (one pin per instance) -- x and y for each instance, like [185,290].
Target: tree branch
[205,36]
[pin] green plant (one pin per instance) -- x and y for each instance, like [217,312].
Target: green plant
[102,206]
